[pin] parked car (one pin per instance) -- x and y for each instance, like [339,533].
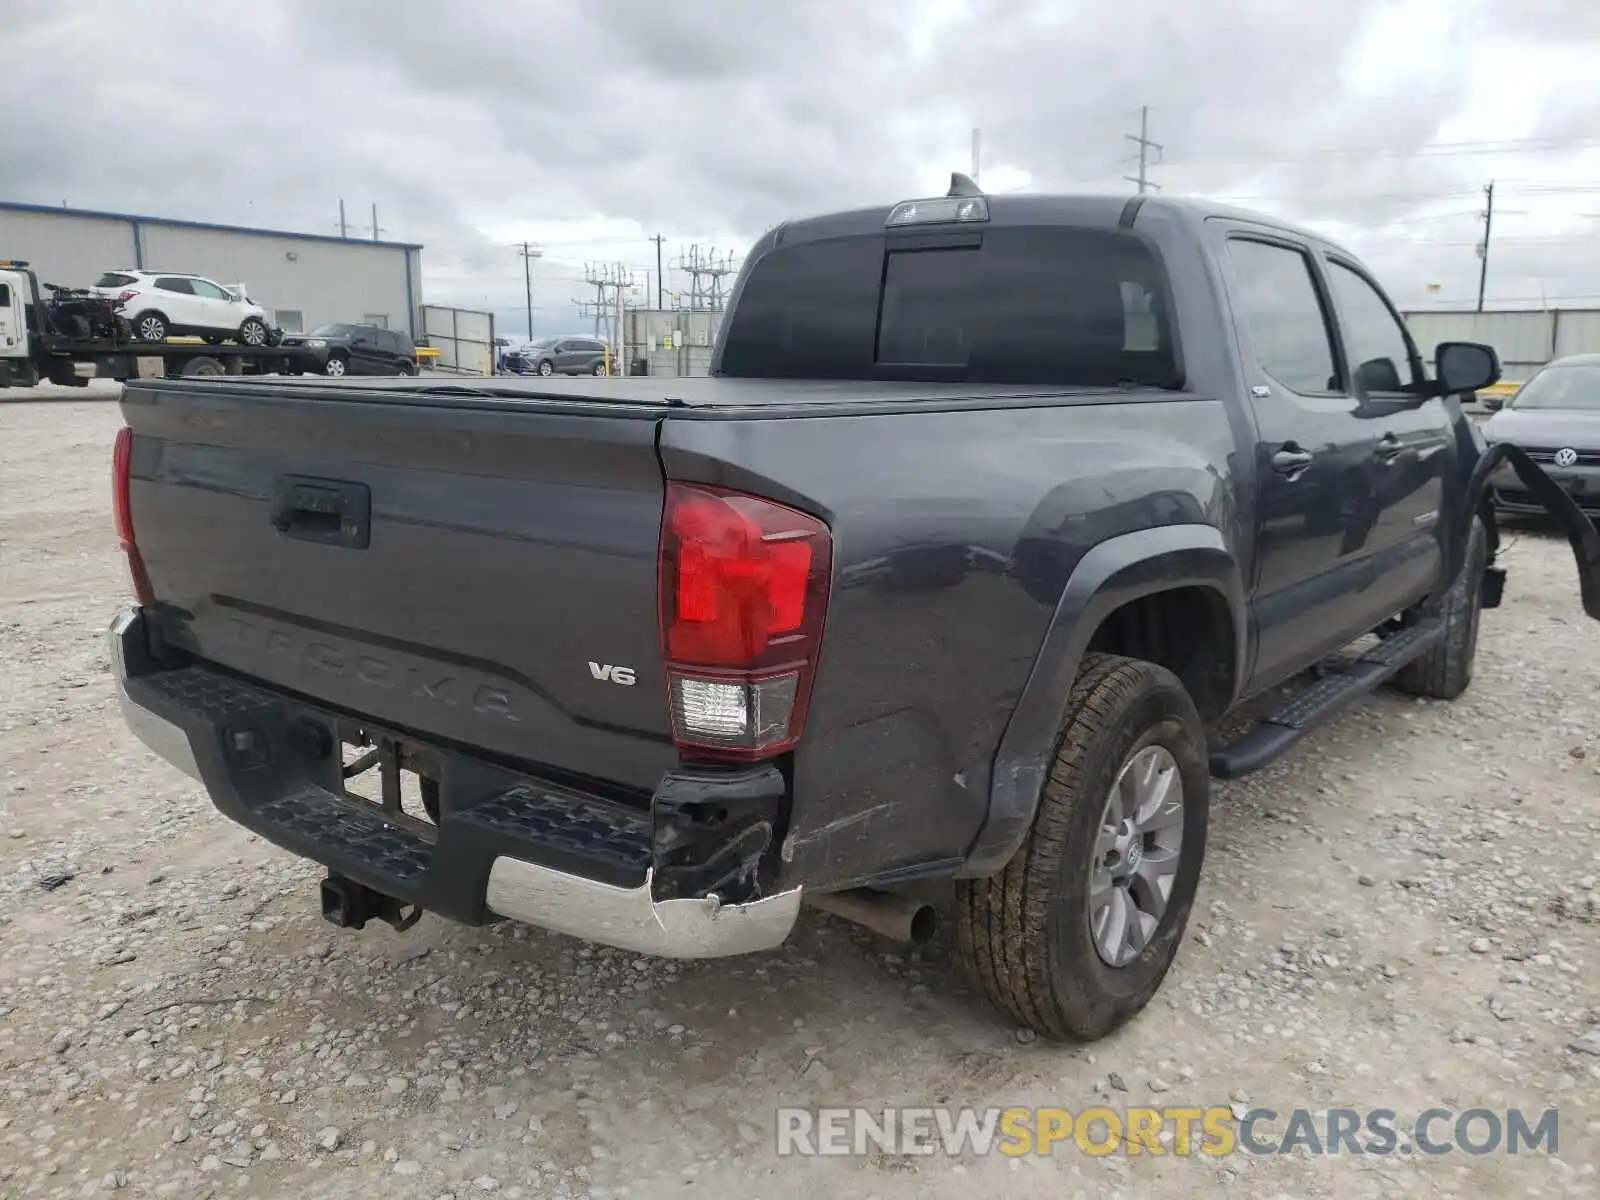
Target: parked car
[161,304]
[1555,418]
[343,349]
[944,574]
[558,356]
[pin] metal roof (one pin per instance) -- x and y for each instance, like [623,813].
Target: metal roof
[174,222]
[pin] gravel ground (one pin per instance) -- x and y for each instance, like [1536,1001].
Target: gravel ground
[1403,913]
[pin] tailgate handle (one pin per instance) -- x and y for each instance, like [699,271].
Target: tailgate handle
[328,511]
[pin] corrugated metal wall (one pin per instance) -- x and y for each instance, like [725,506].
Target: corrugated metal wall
[675,342]
[1524,340]
[321,279]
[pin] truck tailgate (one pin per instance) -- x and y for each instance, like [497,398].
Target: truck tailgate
[480,576]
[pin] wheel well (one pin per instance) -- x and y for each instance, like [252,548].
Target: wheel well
[1188,630]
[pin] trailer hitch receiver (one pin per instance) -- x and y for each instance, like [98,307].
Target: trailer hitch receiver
[350,905]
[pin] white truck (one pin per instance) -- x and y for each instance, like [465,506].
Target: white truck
[70,336]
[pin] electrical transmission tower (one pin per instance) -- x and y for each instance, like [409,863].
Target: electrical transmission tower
[1142,140]
[611,283]
[706,270]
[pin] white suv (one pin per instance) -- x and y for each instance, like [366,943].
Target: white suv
[163,303]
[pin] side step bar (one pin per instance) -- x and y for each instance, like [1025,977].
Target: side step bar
[1323,700]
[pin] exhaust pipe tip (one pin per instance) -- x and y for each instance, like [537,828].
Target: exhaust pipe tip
[898,918]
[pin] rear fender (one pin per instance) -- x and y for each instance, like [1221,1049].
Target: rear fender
[1110,575]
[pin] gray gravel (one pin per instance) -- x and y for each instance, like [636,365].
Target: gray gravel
[1406,912]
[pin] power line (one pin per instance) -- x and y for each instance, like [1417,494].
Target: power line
[1433,150]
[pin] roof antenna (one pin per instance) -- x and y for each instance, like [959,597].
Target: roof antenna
[962,185]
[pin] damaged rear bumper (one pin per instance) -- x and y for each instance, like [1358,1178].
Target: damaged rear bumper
[656,881]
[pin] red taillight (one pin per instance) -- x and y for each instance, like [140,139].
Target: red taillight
[122,509]
[743,594]
[126,296]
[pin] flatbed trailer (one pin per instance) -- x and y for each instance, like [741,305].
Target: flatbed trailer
[34,346]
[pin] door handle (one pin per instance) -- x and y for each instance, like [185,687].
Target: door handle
[1291,460]
[1390,450]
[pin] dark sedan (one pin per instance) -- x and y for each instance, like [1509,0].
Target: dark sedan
[351,350]
[1555,418]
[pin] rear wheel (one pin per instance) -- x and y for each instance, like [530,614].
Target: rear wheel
[252,332]
[335,366]
[151,327]
[1075,935]
[404,368]
[203,366]
[598,369]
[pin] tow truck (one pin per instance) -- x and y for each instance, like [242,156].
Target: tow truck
[70,336]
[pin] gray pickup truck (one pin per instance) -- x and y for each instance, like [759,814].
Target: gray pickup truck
[990,509]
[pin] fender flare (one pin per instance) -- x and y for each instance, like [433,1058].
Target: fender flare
[1111,574]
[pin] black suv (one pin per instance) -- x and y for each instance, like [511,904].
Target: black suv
[558,356]
[350,350]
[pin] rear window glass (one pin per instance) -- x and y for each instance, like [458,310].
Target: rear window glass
[114,279]
[1054,305]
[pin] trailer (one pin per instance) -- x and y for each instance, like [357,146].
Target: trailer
[69,336]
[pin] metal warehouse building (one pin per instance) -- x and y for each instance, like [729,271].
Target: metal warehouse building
[304,279]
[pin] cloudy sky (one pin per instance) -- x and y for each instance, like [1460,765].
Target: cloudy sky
[585,126]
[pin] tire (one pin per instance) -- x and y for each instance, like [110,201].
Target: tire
[201,366]
[1444,672]
[546,367]
[252,332]
[598,369]
[404,368]
[150,327]
[335,367]
[1026,933]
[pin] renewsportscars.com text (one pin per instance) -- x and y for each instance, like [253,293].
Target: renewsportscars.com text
[1171,1130]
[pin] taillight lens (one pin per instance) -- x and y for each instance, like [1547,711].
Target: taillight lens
[122,509]
[744,594]
[126,296]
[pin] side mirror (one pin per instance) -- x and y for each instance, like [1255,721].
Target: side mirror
[1465,367]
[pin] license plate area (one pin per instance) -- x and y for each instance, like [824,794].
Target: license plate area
[384,772]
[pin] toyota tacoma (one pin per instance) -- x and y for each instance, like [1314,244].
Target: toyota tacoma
[990,510]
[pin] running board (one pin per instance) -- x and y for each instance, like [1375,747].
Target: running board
[1323,700]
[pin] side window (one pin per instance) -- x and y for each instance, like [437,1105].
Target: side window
[174,284]
[208,291]
[1377,341]
[1278,299]
[594,347]
[5,295]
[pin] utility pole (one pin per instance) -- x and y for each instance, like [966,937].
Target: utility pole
[660,278]
[1145,147]
[376,231]
[1483,246]
[977,146]
[528,255]
[610,282]
[344,229]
